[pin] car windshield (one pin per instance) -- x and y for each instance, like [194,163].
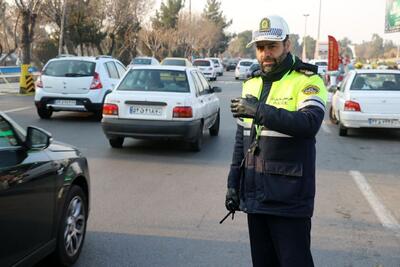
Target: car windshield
[174,62]
[203,63]
[155,80]
[376,81]
[245,63]
[255,66]
[70,68]
[141,61]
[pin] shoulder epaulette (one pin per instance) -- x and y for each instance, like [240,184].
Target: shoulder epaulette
[305,68]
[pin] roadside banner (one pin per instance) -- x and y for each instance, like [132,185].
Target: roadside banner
[392,16]
[333,54]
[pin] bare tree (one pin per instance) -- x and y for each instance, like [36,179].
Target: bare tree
[28,10]
[8,31]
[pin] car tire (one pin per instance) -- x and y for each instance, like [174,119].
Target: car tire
[116,142]
[236,78]
[214,129]
[44,113]
[332,116]
[342,130]
[215,78]
[72,231]
[197,144]
[98,115]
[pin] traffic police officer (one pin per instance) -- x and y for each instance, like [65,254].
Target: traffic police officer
[272,175]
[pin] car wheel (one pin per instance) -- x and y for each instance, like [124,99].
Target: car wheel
[198,142]
[71,233]
[98,115]
[215,78]
[214,130]
[236,78]
[44,113]
[332,116]
[342,130]
[116,142]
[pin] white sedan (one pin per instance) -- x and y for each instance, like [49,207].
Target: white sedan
[367,99]
[161,102]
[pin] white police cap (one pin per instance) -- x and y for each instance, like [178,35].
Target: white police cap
[272,28]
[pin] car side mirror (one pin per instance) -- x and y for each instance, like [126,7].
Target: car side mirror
[215,89]
[37,138]
[333,88]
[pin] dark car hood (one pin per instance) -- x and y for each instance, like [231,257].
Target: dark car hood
[56,146]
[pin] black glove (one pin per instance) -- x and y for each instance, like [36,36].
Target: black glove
[244,107]
[232,200]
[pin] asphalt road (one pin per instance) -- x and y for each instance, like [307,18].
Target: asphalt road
[158,204]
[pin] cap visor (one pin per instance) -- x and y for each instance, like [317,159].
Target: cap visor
[250,44]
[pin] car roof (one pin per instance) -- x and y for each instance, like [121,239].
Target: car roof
[162,67]
[179,58]
[145,57]
[362,71]
[87,58]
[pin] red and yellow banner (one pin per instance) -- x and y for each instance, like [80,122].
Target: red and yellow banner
[333,53]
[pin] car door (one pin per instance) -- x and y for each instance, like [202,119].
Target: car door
[200,102]
[27,196]
[112,73]
[209,100]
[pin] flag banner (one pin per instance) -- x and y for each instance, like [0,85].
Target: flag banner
[392,16]
[333,53]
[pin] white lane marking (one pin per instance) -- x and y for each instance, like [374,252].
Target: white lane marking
[325,128]
[384,215]
[16,109]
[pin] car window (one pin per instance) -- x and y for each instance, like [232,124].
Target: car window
[112,70]
[198,84]
[174,62]
[376,82]
[141,61]
[155,80]
[121,69]
[201,63]
[69,68]
[245,63]
[206,85]
[8,137]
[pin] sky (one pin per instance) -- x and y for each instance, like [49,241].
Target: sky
[354,19]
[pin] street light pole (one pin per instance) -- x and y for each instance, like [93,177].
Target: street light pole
[304,55]
[316,53]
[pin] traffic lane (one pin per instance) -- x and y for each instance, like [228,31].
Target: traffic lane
[11,101]
[344,219]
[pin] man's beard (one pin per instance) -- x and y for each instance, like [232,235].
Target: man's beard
[271,67]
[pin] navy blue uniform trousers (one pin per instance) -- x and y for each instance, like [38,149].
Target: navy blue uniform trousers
[279,241]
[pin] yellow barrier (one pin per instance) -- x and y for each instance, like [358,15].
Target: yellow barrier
[23,89]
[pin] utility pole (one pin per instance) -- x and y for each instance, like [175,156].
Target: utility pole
[316,53]
[60,43]
[304,55]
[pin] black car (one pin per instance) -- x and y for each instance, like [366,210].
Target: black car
[44,197]
[231,65]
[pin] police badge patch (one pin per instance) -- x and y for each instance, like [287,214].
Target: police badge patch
[264,25]
[310,90]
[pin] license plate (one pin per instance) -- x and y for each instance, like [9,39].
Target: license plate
[65,102]
[383,122]
[141,110]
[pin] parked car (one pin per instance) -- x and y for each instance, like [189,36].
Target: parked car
[144,61]
[253,67]
[367,99]
[322,65]
[206,66]
[44,197]
[76,84]
[231,65]
[218,65]
[162,102]
[176,61]
[242,68]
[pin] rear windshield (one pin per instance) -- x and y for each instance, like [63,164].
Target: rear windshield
[141,61]
[245,63]
[155,80]
[174,62]
[254,67]
[202,63]
[321,63]
[70,68]
[376,81]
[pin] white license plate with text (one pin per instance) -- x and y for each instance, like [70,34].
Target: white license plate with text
[145,110]
[384,122]
[65,102]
